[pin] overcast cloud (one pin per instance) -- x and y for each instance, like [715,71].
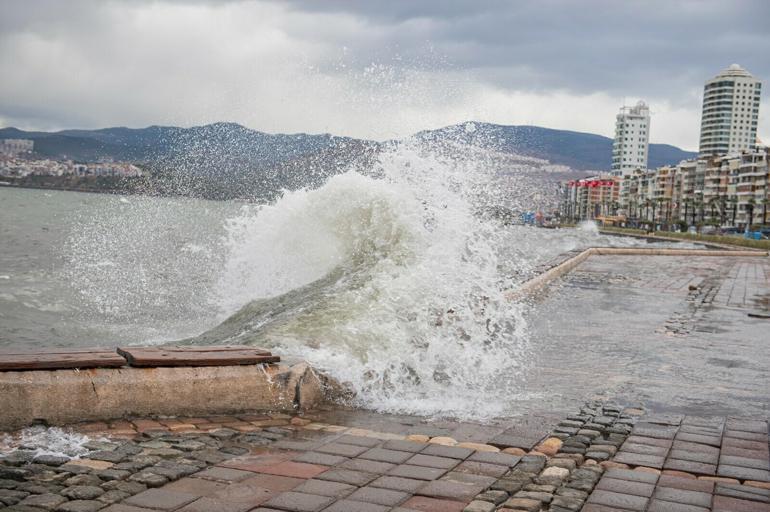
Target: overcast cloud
[377,69]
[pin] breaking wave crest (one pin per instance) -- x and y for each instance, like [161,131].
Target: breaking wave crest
[391,282]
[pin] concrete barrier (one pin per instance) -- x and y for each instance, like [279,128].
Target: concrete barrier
[537,283]
[67,396]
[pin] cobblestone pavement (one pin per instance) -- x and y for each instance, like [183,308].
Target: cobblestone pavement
[603,458]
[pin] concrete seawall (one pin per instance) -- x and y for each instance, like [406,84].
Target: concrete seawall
[68,396]
[541,280]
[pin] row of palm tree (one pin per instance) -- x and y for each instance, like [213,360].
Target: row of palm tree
[692,210]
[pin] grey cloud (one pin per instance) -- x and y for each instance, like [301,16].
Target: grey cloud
[331,65]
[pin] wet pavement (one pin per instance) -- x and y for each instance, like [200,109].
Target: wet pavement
[674,368]
[658,331]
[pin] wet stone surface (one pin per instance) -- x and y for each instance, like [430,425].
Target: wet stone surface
[602,458]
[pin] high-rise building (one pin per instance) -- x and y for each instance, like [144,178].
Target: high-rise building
[632,138]
[730,112]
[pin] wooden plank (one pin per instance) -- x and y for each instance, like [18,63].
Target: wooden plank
[211,348]
[60,360]
[203,356]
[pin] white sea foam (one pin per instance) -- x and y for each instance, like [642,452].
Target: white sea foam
[45,441]
[416,320]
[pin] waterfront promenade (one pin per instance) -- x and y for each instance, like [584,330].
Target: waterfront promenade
[654,398]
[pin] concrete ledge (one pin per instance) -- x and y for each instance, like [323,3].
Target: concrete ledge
[540,281]
[663,238]
[68,396]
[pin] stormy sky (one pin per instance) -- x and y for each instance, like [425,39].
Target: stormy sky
[376,69]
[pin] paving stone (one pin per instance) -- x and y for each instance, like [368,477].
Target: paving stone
[748,436]
[416,472]
[356,506]
[481,468]
[515,441]
[496,497]
[509,486]
[343,450]
[645,449]
[543,497]
[502,459]
[347,476]
[756,426]
[634,439]
[113,496]
[124,508]
[149,479]
[656,431]
[687,484]
[426,504]
[208,504]
[479,506]
[224,474]
[270,482]
[626,487]
[113,474]
[727,504]
[700,438]
[688,466]
[324,488]
[379,496]
[699,499]
[322,459]
[293,469]
[83,480]
[623,501]
[740,452]
[450,489]
[368,442]
[637,459]
[368,466]
[452,452]
[745,462]
[82,492]
[743,492]
[431,461]
[46,501]
[667,506]
[526,504]
[397,483]
[694,447]
[80,506]
[128,487]
[299,502]
[161,499]
[760,446]
[702,457]
[743,473]
[405,446]
[51,460]
[383,455]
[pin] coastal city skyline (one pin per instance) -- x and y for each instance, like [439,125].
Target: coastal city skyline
[360,63]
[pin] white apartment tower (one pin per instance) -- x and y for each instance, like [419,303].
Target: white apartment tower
[632,138]
[730,112]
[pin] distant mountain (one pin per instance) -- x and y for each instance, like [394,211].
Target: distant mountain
[235,145]
[225,160]
[580,151]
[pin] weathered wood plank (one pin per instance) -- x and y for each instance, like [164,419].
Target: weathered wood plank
[60,360]
[202,356]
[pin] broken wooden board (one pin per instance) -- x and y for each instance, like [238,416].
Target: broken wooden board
[60,359]
[226,355]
